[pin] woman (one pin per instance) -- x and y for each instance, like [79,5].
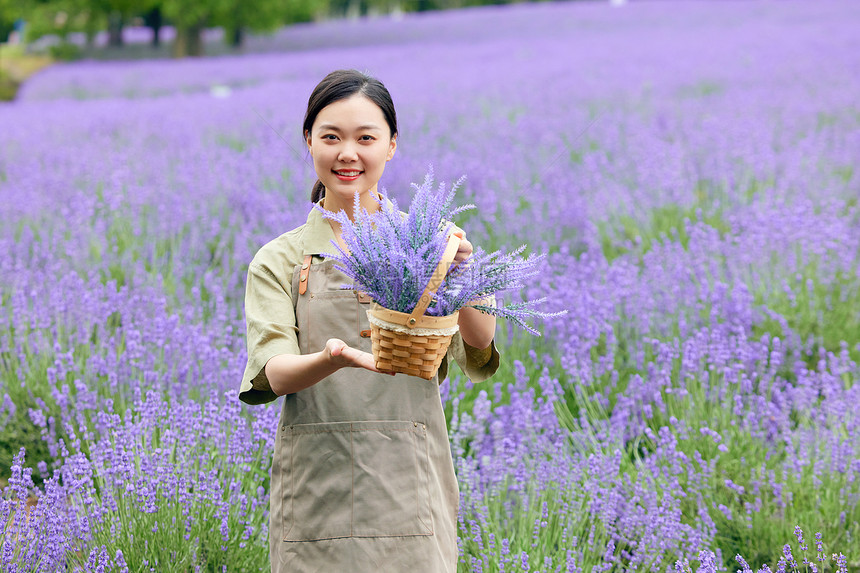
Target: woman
[362,475]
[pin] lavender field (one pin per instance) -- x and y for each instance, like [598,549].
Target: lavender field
[690,168]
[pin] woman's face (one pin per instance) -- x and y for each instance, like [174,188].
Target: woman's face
[350,142]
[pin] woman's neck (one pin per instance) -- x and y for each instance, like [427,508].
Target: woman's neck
[332,203]
[367,201]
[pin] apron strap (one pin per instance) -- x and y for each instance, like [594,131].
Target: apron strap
[303,276]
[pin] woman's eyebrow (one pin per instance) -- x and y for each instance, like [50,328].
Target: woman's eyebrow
[367,126]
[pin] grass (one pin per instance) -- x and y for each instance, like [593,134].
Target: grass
[16,66]
[514,520]
[199,514]
[701,89]
[636,234]
[819,306]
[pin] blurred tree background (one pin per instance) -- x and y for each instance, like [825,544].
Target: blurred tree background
[34,33]
[27,21]
[61,18]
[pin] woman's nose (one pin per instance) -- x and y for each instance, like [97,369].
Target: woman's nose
[347,153]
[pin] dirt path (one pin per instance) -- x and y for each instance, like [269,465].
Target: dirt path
[15,67]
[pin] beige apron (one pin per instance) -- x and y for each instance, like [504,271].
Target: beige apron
[362,477]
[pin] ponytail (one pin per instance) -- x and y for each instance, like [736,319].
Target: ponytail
[318,192]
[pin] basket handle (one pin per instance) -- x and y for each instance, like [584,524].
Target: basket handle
[435,279]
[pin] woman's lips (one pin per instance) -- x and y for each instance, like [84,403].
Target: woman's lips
[347,175]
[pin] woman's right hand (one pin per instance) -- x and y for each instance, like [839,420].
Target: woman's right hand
[341,355]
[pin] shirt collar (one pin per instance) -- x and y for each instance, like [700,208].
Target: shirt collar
[319,236]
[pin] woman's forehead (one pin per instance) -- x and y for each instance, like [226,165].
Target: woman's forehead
[354,113]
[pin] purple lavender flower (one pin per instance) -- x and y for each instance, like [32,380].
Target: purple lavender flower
[392,257]
[819,547]
[798,532]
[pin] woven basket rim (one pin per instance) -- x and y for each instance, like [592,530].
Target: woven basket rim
[405,319]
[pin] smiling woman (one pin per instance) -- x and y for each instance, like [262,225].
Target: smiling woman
[349,111]
[362,477]
[350,143]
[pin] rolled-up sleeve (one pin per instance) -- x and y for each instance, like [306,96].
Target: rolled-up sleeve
[271,330]
[479,364]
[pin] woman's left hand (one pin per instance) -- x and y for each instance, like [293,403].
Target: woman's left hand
[464,251]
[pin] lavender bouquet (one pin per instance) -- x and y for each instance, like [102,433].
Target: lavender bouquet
[392,256]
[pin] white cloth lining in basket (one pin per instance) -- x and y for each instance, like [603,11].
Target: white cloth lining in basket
[414,331]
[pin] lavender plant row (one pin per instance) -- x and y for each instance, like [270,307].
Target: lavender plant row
[688,172]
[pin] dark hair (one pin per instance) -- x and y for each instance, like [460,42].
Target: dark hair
[343,84]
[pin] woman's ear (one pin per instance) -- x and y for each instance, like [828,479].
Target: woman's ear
[392,147]
[308,142]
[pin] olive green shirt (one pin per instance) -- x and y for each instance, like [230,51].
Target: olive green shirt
[271,321]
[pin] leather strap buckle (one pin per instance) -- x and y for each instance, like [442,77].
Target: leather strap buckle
[303,275]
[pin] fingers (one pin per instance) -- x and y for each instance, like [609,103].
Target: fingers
[335,346]
[465,248]
[464,251]
[344,355]
[353,355]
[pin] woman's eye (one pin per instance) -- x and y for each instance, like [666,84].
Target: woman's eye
[367,138]
[329,136]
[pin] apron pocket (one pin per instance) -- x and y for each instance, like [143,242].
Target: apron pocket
[391,480]
[355,479]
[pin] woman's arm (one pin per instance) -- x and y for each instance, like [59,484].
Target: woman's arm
[289,373]
[477,328]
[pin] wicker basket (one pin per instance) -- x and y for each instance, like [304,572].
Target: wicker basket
[414,343]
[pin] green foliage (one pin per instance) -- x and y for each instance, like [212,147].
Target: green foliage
[188,13]
[62,17]
[8,90]
[202,510]
[16,65]
[10,10]
[294,11]
[818,305]
[235,16]
[636,234]
[19,432]
[59,17]
[23,378]
[65,51]
[255,15]
[808,496]
[701,89]
[514,344]
[558,516]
